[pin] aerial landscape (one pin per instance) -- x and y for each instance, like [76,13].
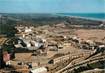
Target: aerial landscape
[57,39]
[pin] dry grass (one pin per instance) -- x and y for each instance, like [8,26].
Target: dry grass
[91,34]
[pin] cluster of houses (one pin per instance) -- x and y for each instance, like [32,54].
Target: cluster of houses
[28,40]
[43,41]
[31,41]
[97,47]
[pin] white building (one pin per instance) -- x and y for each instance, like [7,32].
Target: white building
[39,70]
[27,30]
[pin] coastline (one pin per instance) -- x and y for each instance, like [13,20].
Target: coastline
[76,15]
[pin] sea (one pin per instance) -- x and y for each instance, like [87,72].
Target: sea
[97,16]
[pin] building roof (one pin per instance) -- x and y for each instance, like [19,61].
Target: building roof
[39,70]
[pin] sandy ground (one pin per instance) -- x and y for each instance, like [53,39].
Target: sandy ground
[2,40]
[91,34]
[26,57]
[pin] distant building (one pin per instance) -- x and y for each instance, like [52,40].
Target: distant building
[27,30]
[39,70]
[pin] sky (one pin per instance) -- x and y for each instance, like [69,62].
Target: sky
[52,6]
